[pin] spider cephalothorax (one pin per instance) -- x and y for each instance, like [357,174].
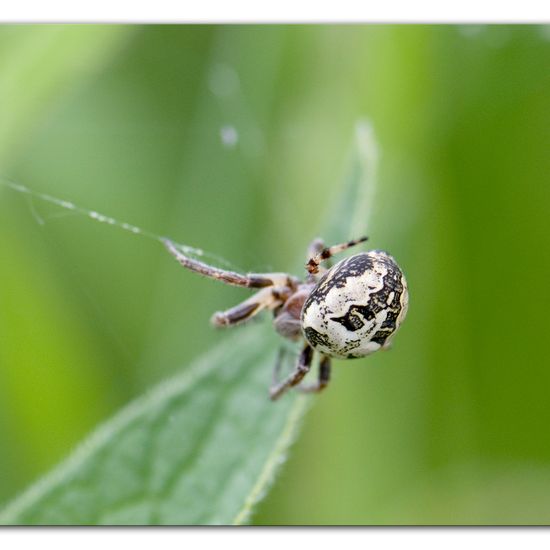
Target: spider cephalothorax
[346,311]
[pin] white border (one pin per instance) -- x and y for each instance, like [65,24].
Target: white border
[282,11]
[276,538]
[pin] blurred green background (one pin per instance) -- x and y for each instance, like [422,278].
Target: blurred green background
[232,139]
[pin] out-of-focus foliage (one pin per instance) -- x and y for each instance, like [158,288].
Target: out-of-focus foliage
[201,448]
[232,139]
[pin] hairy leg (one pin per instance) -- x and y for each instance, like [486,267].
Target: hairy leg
[323,380]
[314,249]
[267,298]
[251,280]
[313,263]
[295,377]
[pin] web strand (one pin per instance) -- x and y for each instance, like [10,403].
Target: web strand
[100,218]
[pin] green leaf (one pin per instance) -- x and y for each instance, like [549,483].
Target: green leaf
[203,447]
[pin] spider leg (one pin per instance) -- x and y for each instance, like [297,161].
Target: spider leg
[324,377]
[313,263]
[315,247]
[251,280]
[295,377]
[267,298]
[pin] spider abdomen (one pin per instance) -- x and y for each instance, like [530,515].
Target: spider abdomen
[356,307]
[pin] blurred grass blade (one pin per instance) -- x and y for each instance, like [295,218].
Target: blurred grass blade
[203,447]
[350,213]
[40,65]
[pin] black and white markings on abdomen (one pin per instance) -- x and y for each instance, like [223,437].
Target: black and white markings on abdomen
[357,306]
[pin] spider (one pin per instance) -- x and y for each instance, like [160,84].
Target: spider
[346,311]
